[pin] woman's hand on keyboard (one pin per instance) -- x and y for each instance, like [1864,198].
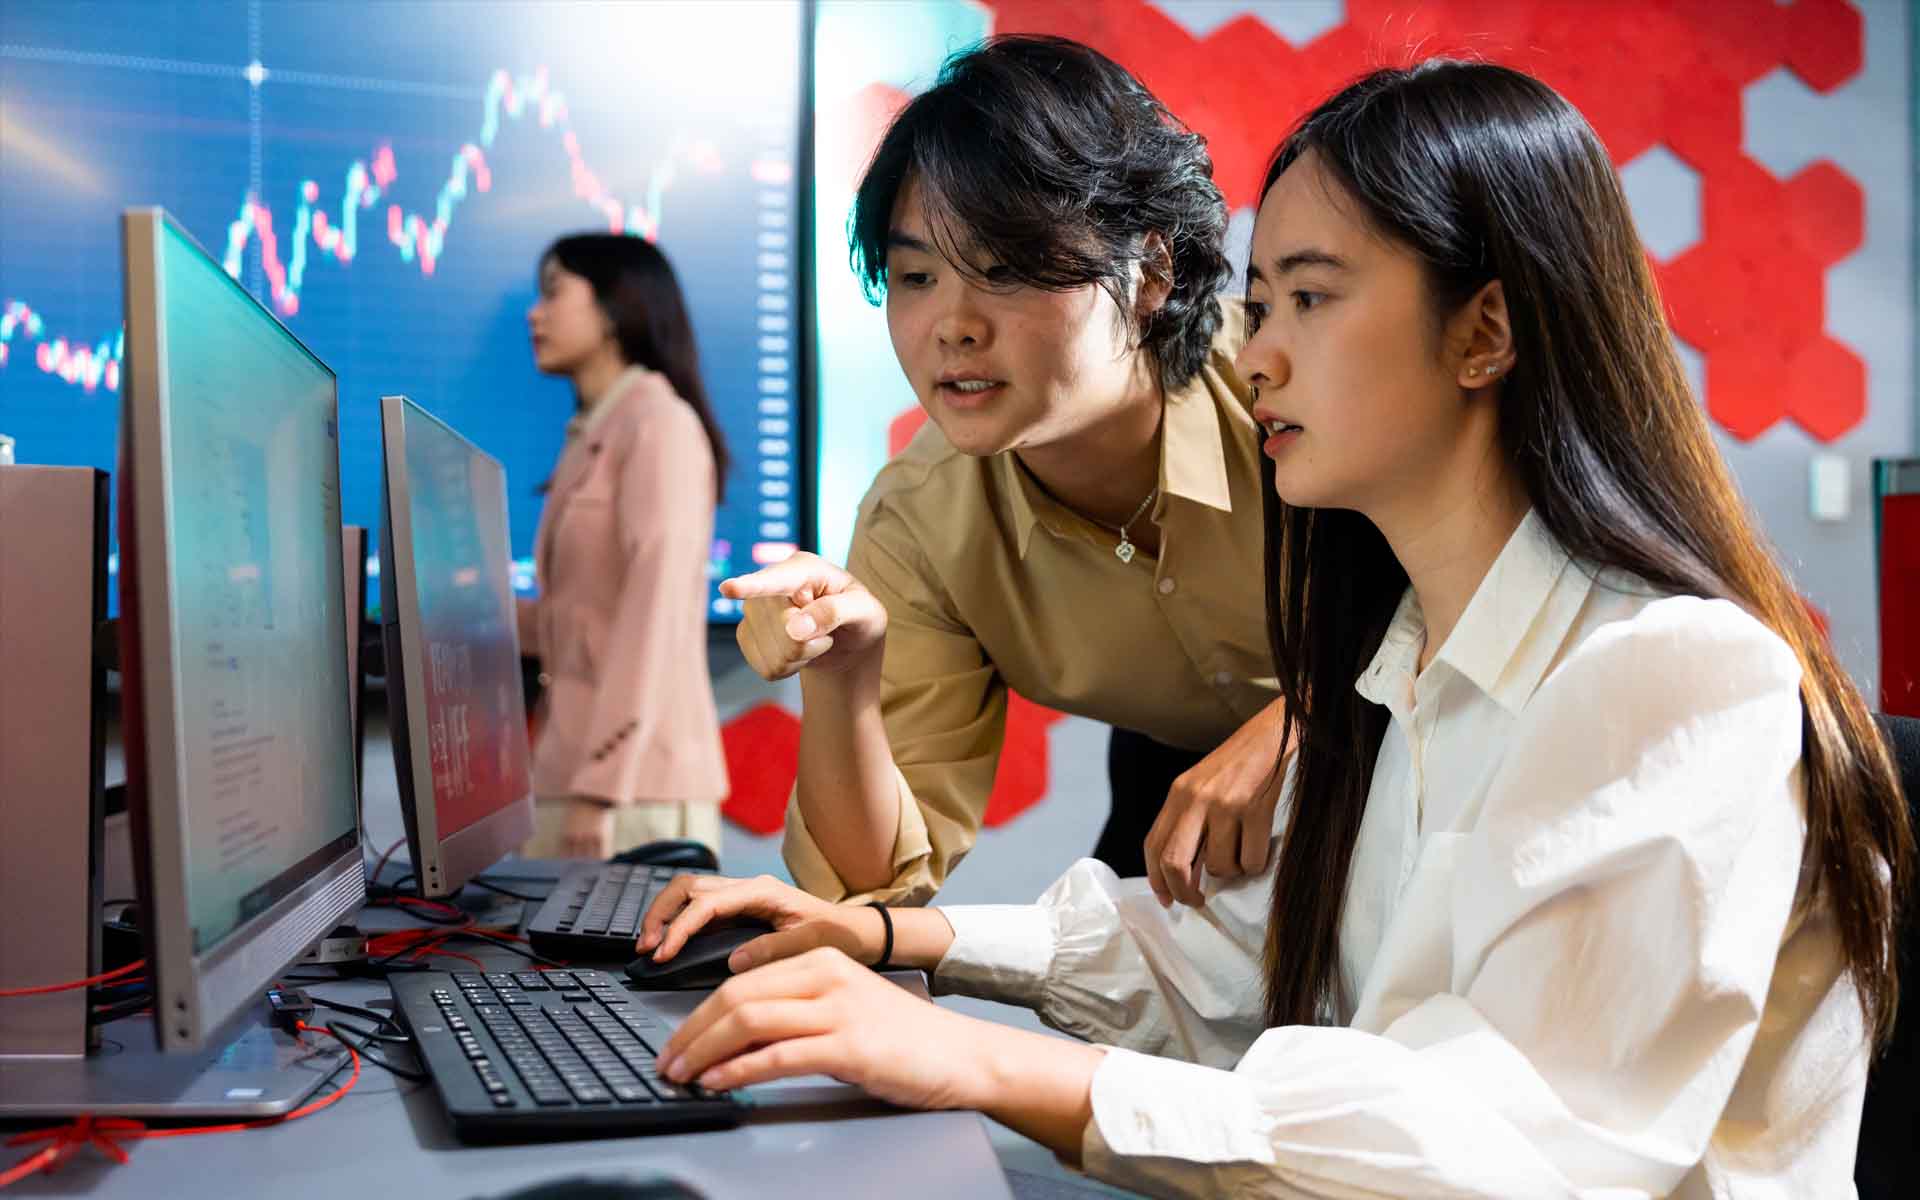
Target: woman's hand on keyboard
[820,1013]
[801,921]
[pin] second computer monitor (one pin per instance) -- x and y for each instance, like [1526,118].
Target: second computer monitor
[452,650]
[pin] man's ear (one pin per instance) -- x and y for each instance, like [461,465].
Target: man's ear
[1156,278]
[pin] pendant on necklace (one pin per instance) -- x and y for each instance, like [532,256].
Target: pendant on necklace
[1124,551]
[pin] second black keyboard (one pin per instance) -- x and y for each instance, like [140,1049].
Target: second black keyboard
[593,914]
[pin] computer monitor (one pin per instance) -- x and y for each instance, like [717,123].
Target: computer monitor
[454,700]
[234,663]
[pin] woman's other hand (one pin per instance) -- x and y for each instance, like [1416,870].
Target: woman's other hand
[801,922]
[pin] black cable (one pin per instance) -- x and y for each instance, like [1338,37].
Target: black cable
[513,948]
[372,1035]
[366,1052]
[103,993]
[494,887]
[391,962]
[426,916]
[371,1014]
[120,1008]
[360,969]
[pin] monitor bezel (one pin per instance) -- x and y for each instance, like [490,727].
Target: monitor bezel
[442,866]
[195,993]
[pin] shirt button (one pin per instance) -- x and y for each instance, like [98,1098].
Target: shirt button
[1167,586]
[1223,678]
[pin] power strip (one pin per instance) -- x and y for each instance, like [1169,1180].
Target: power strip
[345,944]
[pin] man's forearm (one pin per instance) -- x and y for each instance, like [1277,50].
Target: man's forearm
[847,789]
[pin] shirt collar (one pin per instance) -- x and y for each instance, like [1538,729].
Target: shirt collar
[1395,661]
[588,418]
[1511,630]
[1193,458]
[1023,495]
[1193,466]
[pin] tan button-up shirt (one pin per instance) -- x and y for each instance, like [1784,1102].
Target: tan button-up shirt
[989,584]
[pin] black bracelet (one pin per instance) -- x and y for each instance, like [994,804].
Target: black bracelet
[886,947]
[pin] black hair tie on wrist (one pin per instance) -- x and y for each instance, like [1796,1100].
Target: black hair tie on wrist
[886,947]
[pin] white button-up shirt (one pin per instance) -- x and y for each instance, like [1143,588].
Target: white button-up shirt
[1578,944]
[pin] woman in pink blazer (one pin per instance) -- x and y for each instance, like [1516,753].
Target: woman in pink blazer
[629,743]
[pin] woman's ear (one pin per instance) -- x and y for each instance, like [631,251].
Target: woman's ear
[1484,331]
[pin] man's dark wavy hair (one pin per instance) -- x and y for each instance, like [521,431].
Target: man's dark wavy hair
[1046,159]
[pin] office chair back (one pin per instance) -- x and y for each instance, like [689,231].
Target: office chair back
[1888,1159]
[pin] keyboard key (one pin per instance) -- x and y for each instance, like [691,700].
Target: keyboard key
[666,1090]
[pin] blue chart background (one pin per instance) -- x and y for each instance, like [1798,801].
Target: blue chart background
[117,104]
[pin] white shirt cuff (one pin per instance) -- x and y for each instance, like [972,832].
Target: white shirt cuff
[999,952]
[1148,1107]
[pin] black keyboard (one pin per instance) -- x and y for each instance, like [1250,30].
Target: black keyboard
[541,1054]
[593,914]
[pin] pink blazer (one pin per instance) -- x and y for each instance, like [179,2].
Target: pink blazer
[620,626]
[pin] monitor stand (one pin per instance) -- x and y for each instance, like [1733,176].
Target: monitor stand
[249,1069]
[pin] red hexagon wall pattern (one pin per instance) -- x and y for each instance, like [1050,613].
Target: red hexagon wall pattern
[1749,295]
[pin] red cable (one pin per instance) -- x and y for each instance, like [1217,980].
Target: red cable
[380,866]
[438,953]
[107,1133]
[135,965]
[32,1164]
[312,1106]
[437,905]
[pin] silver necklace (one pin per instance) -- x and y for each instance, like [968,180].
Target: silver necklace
[1124,551]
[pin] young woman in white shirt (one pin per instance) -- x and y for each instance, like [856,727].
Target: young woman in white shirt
[1587,872]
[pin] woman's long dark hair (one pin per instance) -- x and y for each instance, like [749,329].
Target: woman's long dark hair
[637,289]
[1484,173]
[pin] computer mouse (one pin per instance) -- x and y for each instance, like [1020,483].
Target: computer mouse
[582,1187]
[701,963]
[683,854]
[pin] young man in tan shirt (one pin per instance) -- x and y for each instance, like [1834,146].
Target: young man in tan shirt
[1080,520]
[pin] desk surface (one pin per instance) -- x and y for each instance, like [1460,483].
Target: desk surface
[390,1138]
